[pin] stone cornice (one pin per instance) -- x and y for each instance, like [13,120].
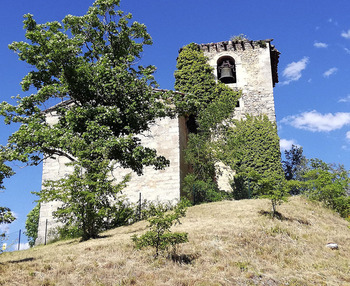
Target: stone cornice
[243,45]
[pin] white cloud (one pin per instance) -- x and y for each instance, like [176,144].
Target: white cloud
[347,135]
[347,50]
[320,45]
[329,72]
[315,121]
[345,147]
[345,99]
[293,70]
[22,246]
[346,35]
[287,144]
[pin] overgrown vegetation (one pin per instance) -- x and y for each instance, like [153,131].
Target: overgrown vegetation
[240,37]
[159,235]
[207,104]
[251,148]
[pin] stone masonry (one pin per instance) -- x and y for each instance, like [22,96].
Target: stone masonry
[256,74]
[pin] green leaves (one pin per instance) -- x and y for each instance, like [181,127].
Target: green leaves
[254,143]
[252,149]
[90,198]
[159,235]
[5,215]
[5,171]
[194,77]
[208,106]
[32,224]
[327,183]
[87,66]
[89,60]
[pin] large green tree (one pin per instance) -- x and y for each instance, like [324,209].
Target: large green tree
[89,62]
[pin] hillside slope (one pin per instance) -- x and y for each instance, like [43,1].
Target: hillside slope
[230,243]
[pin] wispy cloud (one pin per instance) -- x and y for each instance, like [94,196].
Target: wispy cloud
[329,72]
[4,228]
[293,70]
[347,50]
[346,35]
[317,122]
[330,20]
[286,144]
[345,99]
[320,45]
[348,135]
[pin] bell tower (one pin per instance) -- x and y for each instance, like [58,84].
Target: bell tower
[249,66]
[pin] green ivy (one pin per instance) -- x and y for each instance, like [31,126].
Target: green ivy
[251,148]
[194,78]
[208,104]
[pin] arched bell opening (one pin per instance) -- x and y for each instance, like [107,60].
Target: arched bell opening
[226,69]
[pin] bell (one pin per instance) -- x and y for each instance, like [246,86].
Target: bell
[226,75]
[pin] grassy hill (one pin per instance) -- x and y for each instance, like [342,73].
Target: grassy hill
[231,243]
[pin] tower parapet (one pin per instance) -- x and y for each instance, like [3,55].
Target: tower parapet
[254,72]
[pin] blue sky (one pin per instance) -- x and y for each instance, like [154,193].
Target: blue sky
[312,99]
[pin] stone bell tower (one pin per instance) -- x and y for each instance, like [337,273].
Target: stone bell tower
[249,66]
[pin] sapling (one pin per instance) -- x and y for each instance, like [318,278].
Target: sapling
[159,235]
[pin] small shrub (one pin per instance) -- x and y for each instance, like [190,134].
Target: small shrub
[240,37]
[159,235]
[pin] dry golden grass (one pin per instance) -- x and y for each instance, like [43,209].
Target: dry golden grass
[230,242]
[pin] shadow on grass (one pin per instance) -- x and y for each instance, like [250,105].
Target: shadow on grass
[98,237]
[22,260]
[281,217]
[182,258]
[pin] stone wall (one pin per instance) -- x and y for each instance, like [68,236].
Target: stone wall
[254,74]
[167,136]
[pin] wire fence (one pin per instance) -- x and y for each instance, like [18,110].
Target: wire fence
[11,241]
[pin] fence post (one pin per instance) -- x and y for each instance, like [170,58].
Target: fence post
[140,206]
[19,240]
[45,231]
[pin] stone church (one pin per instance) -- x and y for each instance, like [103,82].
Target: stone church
[249,66]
